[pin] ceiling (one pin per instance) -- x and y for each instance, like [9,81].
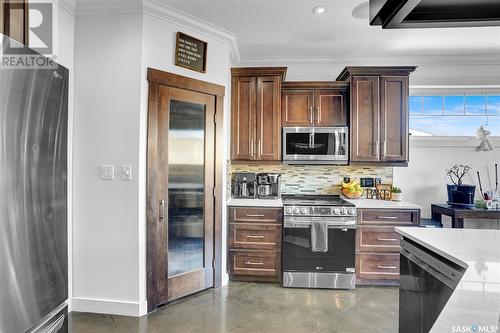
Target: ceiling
[287,29]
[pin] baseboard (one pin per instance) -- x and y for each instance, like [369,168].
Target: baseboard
[105,306]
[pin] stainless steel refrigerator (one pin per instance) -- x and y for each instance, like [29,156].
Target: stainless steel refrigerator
[33,200]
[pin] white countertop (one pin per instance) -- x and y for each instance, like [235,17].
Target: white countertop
[255,202]
[382,204]
[476,300]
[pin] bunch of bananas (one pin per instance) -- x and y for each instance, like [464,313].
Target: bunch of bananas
[352,189]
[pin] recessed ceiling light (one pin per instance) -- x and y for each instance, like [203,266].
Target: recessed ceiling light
[319,10]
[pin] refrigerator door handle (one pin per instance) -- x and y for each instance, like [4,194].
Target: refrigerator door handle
[57,325]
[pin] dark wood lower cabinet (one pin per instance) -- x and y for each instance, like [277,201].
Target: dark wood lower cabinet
[255,243]
[378,244]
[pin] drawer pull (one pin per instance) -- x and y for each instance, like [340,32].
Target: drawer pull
[255,236]
[260,263]
[388,217]
[387,239]
[386,267]
[256,215]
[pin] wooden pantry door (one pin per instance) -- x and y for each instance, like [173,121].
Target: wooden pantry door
[182,175]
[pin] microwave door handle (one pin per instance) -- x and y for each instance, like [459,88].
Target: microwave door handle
[311,140]
[337,143]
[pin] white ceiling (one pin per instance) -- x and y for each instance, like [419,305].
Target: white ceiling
[287,29]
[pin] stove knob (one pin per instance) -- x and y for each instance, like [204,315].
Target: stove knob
[336,211]
[296,211]
[352,211]
[343,211]
[289,210]
[303,210]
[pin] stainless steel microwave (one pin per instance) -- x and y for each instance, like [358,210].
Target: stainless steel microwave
[315,145]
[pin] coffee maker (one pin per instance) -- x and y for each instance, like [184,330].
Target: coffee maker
[244,185]
[268,185]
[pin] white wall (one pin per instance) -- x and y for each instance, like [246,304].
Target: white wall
[424,180]
[442,71]
[107,268]
[113,50]
[158,52]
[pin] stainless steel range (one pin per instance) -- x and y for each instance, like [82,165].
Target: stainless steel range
[319,242]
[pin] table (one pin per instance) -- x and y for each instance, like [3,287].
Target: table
[459,214]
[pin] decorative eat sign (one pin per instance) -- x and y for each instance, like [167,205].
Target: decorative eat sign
[190,53]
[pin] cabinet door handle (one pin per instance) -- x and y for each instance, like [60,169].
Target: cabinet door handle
[387,217]
[251,148]
[387,239]
[260,263]
[259,147]
[255,236]
[386,267]
[255,215]
[317,115]
[376,148]
[311,114]
[382,150]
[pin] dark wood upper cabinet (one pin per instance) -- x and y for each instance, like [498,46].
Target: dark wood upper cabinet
[379,114]
[268,118]
[394,118]
[297,108]
[244,100]
[256,113]
[314,103]
[365,122]
[330,108]
[14,20]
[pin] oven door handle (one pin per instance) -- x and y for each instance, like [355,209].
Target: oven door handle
[295,225]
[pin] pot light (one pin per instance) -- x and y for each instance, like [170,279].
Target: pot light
[319,10]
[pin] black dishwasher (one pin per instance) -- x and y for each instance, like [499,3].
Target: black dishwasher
[427,281]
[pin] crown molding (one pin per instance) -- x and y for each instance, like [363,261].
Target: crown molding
[165,12]
[417,60]
[68,6]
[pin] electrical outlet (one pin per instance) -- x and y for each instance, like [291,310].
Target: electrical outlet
[107,172]
[126,172]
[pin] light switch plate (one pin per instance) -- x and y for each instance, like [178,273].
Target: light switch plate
[126,172]
[107,172]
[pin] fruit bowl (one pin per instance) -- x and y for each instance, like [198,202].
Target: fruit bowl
[352,195]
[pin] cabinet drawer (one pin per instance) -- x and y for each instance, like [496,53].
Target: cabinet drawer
[377,266]
[377,239]
[258,263]
[388,216]
[255,236]
[255,214]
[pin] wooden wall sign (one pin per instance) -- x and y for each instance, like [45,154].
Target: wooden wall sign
[190,53]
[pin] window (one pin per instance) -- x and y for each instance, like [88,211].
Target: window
[454,114]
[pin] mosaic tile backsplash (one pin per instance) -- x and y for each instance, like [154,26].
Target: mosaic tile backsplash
[312,179]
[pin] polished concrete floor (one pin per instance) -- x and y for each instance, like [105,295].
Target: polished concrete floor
[254,307]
